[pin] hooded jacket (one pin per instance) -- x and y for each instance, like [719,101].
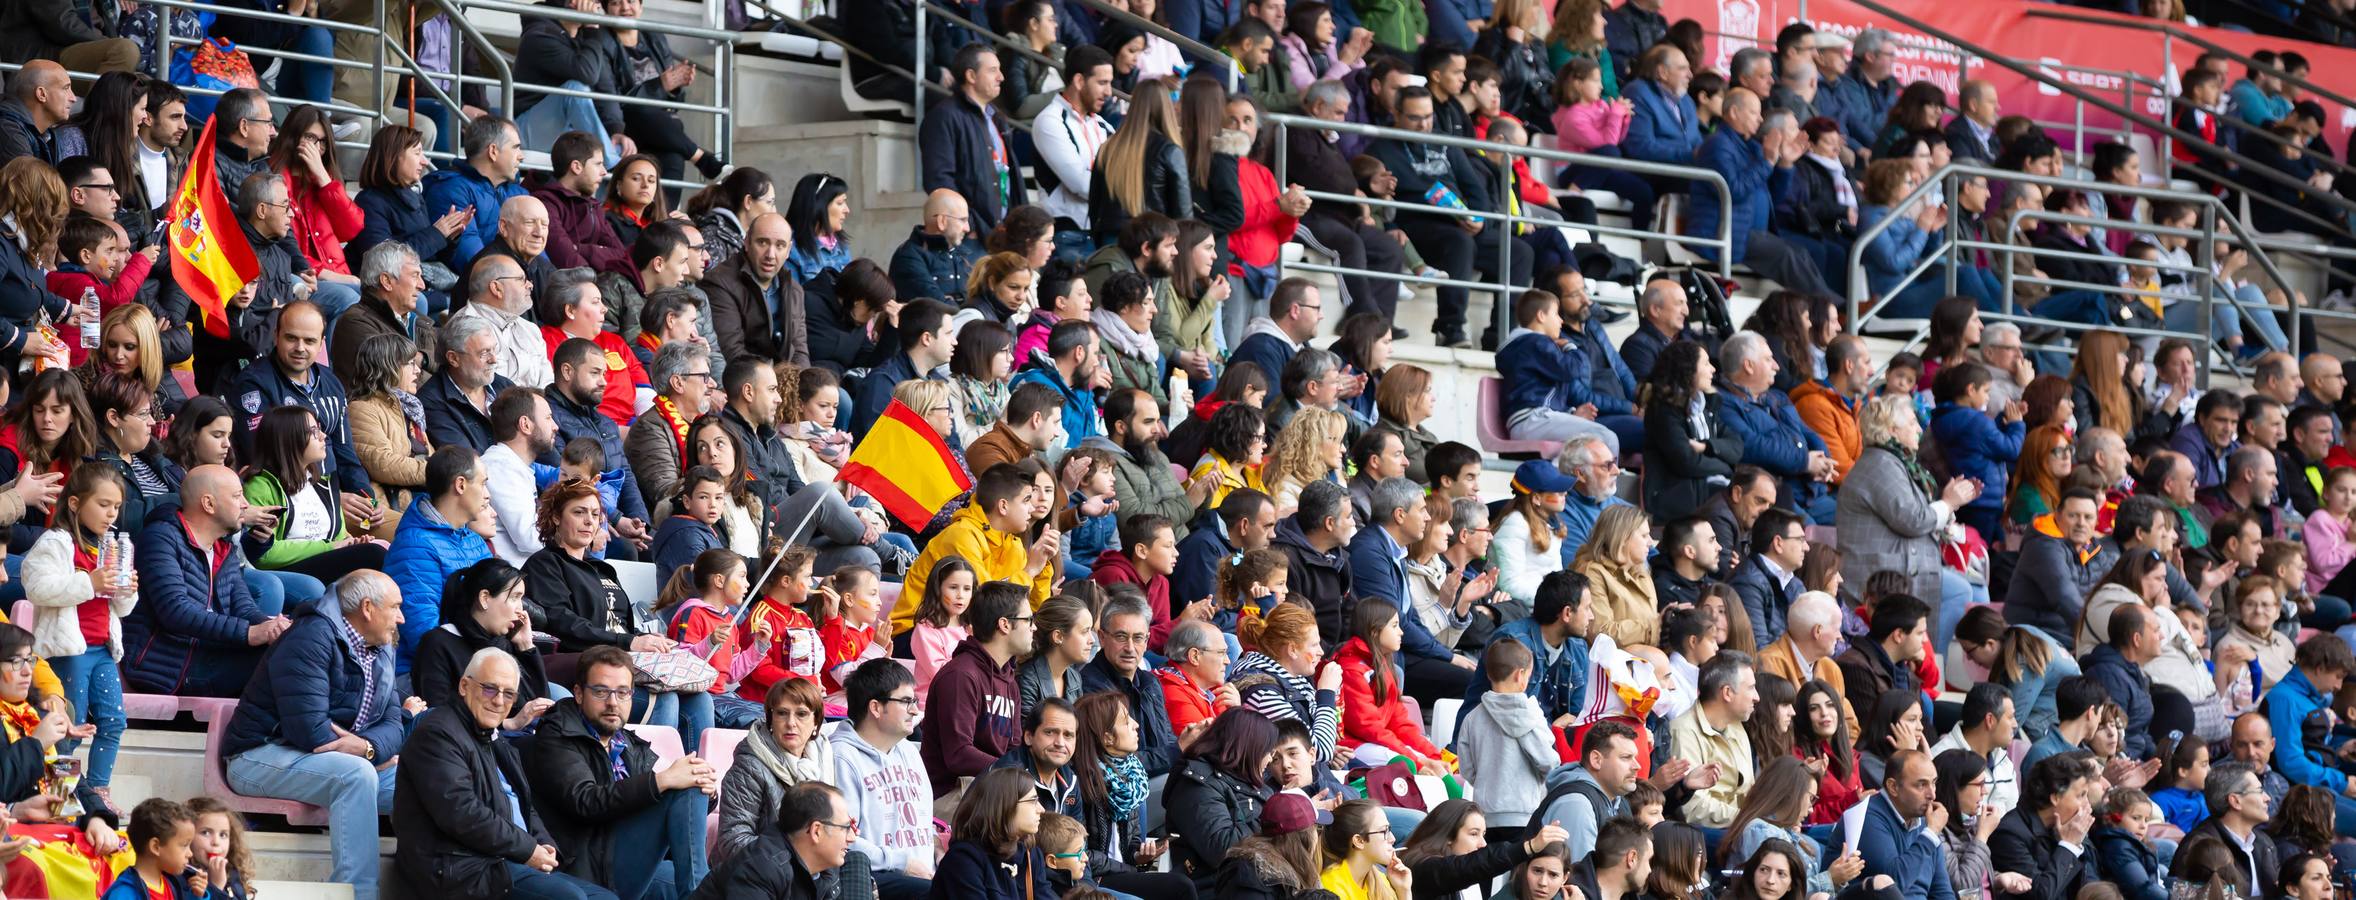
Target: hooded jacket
[426,551]
[456,826]
[464,187]
[1507,748]
[1834,419]
[580,800]
[1080,420]
[1208,811]
[1569,785]
[973,716]
[1145,485]
[188,609]
[309,686]
[995,555]
[926,265]
[889,793]
[1320,579]
[578,233]
[1540,373]
[1369,718]
[1975,446]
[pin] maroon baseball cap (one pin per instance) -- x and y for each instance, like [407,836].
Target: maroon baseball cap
[1290,811]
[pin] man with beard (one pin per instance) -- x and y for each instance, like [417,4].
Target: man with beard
[1582,797]
[1621,865]
[798,858]
[521,431]
[1049,733]
[1611,385]
[2301,460]
[756,310]
[1597,472]
[457,399]
[1148,246]
[1141,474]
[1077,373]
[927,333]
[1688,561]
[500,294]
[573,405]
[1903,825]
[974,707]
[682,379]
[294,375]
[616,814]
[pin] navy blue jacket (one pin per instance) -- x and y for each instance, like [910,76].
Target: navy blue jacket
[873,394]
[311,682]
[1205,548]
[1751,180]
[926,266]
[1661,128]
[24,292]
[1974,446]
[1539,373]
[1642,348]
[463,187]
[260,388]
[1157,744]
[2127,863]
[400,215]
[185,608]
[1911,857]
[957,153]
[1863,109]
[574,420]
[1773,438]
[1419,166]
[1268,351]
[678,542]
[1611,386]
[1449,20]
[450,420]
[1205,20]
[1375,573]
[1762,598]
[1629,30]
[2131,689]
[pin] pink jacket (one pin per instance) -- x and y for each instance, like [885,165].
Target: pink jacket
[932,648]
[1033,336]
[1582,127]
[2328,550]
[1297,51]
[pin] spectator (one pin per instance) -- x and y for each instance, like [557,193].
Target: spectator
[39,100]
[661,255]
[1549,377]
[2210,439]
[758,314]
[928,339]
[2321,668]
[1614,562]
[1347,229]
[1869,89]
[1528,528]
[464,811]
[683,379]
[323,218]
[1457,244]
[798,855]
[457,400]
[724,209]
[979,373]
[574,406]
[1194,681]
[1661,315]
[483,607]
[579,235]
[393,209]
[616,816]
[581,602]
[965,145]
[1068,131]
[1773,810]
[2135,639]
[1897,636]
[816,217]
[445,529]
[494,154]
[1903,826]
[1146,556]
[311,538]
[1804,652]
[1375,716]
[2237,806]
[936,259]
[1756,163]
[2061,562]
[200,615]
[1687,447]
[1124,626]
[1710,732]
[1688,563]
[1974,445]
[1235,451]
[1773,436]
[1664,125]
[1142,477]
[884,780]
[784,751]
[1065,640]
[393,281]
[1987,730]
[644,66]
[634,197]
[2248,488]
[501,296]
[1214,798]
[569,54]
[974,703]
[323,725]
[1830,405]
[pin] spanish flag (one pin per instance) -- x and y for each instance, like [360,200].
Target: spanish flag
[211,259]
[923,475]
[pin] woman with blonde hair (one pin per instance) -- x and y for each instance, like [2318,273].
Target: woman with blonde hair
[32,211]
[1527,531]
[1308,449]
[1404,400]
[1142,166]
[1000,288]
[130,345]
[1613,559]
[2099,384]
[1273,677]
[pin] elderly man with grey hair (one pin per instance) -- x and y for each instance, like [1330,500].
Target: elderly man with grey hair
[1753,70]
[1774,437]
[457,399]
[500,293]
[682,378]
[1314,160]
[1589,461]
[1378,571]
[1795,89]
[1868,89]
[285,274]
[322,724]
[1194,680]
[1661,313]
[2009,371]
[523,234]
[392,280]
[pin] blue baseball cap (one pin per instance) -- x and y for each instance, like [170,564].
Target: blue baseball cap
[1540,476]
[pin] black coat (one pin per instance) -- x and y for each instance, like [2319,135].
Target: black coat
[579,799]
[767,870]
[2269,859]
[565,596]
[1208,812]
[453,821]
[451,419]
[1811,203]
[398,214]
[1525,83]
[1676,475]
[544,54]
[1169,190]
[443,653]
[2024,844]
[1442,877]
[957,151]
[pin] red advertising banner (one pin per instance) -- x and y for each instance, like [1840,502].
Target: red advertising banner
[2019,29]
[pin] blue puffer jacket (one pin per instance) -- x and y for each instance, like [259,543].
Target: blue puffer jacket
[1539,373]
[678,542]
[398,214]
[1773,438]
[1975,447]
[2299,754]
[462,186]
[184,605]
[310,682]
[2127,863]
[1750,180]
[425,551]
[1894,252]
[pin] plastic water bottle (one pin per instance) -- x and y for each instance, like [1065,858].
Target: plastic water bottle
[124,570]
[90,312]
[107,549]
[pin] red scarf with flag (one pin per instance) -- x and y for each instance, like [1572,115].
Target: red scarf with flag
[923,475]
[211,259]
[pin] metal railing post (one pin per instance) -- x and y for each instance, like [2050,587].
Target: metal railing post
[380,95]
[2206,259]
[924,72]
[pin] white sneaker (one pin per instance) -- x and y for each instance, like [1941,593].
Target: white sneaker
[348,130]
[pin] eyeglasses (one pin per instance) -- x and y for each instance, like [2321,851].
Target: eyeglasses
[1384,832]
[911,701]
[604,694]
[496,693]
[1028,798]
[19,662]
[108,187]
[850,827]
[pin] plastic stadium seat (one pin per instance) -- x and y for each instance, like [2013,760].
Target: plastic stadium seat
[302,815]
[1492,426]
[665,739]
[720,748]
[637,580]
[208,709]
[153,707]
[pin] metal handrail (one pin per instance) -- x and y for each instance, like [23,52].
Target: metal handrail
[2175,31]
[483,48]
[602,20]
[1186,43]
[1723,243]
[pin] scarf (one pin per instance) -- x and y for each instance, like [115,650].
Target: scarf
[1840,179]
[21,719]
[670,413]
[1915,473]
[788,769]
[1124,339]
[1124,784]
[413,410]
[985,402]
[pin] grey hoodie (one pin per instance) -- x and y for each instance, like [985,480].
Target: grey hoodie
[1507,749]
[1574,813]
[891,796]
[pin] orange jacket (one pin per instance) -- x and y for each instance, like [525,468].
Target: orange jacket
[1834,419]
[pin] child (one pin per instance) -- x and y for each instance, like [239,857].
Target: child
[2184,774]
[2257,605]
[1691,636]
[1508,744]
[796,651]
[693,529]
[1065,841]
[163,834]
[78,612]
[1903,378]
[1647,803]
[855,594]
[2121,825]
[1583,119]
[701,601]
[1146,557]
[2143,285]
[1249,586]
[1547,380]
[584,459]
[94,254]
[221,848]
[1096,506]
[940,618]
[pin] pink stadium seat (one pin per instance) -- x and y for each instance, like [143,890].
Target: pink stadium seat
[208,709]
[21,615]
[665,739]
[298,814]
[1491,417]
[154,707]
[720,748]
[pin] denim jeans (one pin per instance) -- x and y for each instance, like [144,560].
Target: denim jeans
[671,830]
[892,884]
[271,589]
[532,883]
[731,711]
[554,115]
[95,687]
[1955,598]
[691,713]
[307,81]
[351,789]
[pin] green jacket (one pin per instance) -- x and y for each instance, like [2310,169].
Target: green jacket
[1272,84]
[1180,324]
[1398,24]
[1147,485]
[264,489]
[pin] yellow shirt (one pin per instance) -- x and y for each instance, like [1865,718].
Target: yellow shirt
[1337,879]
[1730,748]
[995,555]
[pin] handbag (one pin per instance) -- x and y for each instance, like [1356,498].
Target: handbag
[673,671]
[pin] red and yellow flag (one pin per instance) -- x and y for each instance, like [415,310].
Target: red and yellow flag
[922,474]
[211,260]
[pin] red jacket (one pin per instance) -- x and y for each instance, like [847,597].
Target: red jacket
[797,651]
[1113,567]
[623,374]
[1265,227]
[1187,702]
[69,284]
[1367,719]
[578,233]
[324,220]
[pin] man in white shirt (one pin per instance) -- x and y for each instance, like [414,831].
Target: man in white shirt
[498,293]
[521,430]
[1067,134]
[1986,729]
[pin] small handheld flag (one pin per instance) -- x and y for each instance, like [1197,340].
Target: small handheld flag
[923,475]
[211,260]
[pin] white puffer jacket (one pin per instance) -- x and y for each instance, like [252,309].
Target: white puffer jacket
[58,590]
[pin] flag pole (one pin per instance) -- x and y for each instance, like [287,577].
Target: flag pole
[746,607]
